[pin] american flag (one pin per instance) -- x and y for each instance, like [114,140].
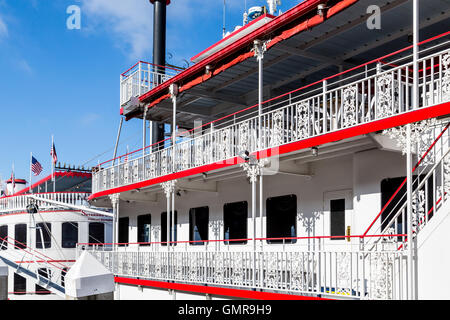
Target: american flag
[35,166]
[53,154]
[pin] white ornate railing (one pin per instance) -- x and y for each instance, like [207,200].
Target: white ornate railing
[141,78]
[351,274]
[19,203]
[346,103]
[430,141]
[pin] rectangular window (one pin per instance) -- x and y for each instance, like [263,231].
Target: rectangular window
[337,218]
[20,235]
[198,225]
[3,235]
[20,284]
[46,274]
[63,276]
[235,222]
[69,234]
[143,229]
[44,230]
[123,231]
[281,219]
[96,232]
[164,228]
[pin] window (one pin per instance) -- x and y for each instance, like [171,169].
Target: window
[164,228]
[281,218]
[388,188]
[20,284]
[3,235]
[46,273]
[198,225]
[63,276]
[235,221]
[143,229]
[96,232]
[337,218]
[69,234]
[123,231]
[43,230]
[20,235]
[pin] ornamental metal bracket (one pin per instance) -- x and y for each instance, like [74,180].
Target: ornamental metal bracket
[420,135]
[168,187]
[254,168]
[114,199]
[259,48]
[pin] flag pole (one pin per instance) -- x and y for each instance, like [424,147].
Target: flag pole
[13,182]
[53,165]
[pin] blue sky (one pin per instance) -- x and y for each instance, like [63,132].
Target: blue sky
[66,82]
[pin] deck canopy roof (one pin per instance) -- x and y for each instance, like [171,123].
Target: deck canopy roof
[65,181]
[325,47]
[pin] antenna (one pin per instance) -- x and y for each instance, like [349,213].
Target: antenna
[224,8]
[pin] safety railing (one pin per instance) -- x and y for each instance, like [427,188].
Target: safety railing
[377,274]
[19,203]
[33,264]
[143,77]
[360,96]
[430,184]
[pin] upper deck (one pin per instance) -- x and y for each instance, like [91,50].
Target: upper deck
[326,78]
[369,98]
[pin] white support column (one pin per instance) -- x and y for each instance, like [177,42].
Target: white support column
[253,168]
[169,189]
[115,205]
[144,130]
[412,254]
[173,225]
[409,210]
[259,49]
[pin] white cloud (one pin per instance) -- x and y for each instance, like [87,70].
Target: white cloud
[129,22]
[89,118]
[24,66]
[3,28]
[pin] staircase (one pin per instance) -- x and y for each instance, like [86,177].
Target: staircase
[431,187]
[28,262]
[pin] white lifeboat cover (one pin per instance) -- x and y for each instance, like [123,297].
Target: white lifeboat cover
[88,277]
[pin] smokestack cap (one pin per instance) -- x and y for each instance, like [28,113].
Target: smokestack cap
[167,2]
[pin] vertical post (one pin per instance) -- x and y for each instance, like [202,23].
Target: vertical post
[3,281]
[409,209]
[144,130]
[173,225]
[412,257]
[259,52]
[117,141]
[168,221]
[174,94]
[324,98]
[254,227]
[261,207]
[29,215]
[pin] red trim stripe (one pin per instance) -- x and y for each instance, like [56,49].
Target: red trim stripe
[227,292]
[394,121]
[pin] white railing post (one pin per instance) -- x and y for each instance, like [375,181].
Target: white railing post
[324,99]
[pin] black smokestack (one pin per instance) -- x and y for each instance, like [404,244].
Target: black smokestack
[159,32]
[159,54]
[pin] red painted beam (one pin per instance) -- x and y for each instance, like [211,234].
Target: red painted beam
[227,292]
[394,121]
